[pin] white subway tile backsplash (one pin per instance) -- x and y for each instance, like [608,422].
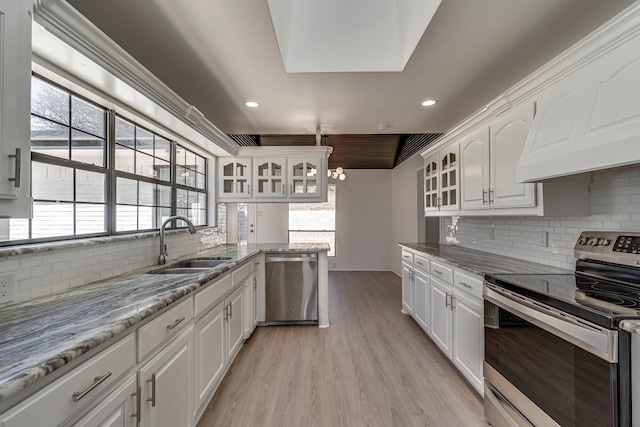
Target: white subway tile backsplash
[615,205]
[54,271]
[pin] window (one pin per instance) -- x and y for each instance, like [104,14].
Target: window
[314,222]
[87,181]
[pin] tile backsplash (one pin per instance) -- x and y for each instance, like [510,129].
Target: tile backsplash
[75,263]
[615,205]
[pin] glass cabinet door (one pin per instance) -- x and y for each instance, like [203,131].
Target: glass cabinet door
[449,179]
[235,177]
[269,178]
[304,179]
[431,184]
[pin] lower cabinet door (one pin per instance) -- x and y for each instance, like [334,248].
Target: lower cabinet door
[167,385]
[407,289]
[210,353]
[118,409]
[235,333]
[421,303]
[441,317]
[468,333]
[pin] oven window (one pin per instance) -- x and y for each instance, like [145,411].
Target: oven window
[571,385]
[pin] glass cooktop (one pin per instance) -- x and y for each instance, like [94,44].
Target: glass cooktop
[599,301]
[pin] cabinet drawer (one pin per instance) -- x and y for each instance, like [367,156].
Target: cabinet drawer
[241,273]
[160,329]
[55,403]
[215,290]
[468,284]
[407,256]
[442,272]
[421,263]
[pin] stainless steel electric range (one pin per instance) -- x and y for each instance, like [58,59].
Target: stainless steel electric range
[554,353]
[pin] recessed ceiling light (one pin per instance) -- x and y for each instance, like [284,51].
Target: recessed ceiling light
[428,102]
[252,104]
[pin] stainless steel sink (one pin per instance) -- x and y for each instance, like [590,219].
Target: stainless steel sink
[192,266]
[172,270]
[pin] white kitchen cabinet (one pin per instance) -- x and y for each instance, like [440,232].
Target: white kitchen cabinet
[468,338]
[233,320]
[441,180]
[421,304]
[117,409]
[489,157]
[441,316]
[305,177]
[270,177]
[167,385]
[234,179]
[15,86]
[274,175]
[210,353]
[408,292]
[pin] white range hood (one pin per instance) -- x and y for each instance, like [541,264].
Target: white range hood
[589,117]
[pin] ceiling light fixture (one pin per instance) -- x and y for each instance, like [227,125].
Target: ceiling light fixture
[252,104]
[428,102]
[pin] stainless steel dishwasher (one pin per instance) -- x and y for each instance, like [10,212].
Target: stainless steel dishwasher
[291,288]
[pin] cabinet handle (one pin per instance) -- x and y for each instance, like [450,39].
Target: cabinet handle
[152,399]
[465,285]
[490,195]
[419,263]
[446,299]
[226,313]
[230,310]
[96,382]
[18,159]
[248,188]
[138,396]
[453,300]
[255,283]
[438,272]
[484,197]
[176,323]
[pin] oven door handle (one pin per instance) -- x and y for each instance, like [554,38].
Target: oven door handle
[598,341]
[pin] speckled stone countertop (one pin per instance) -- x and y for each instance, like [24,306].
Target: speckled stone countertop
[481,262]
[40,336]
[632,326]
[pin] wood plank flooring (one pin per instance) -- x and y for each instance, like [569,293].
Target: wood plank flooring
[373,367]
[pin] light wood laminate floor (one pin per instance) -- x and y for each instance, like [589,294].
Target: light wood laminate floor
[373,367]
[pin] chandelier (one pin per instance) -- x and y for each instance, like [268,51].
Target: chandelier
[337,173]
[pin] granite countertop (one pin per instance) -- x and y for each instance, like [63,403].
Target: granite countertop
[480,262]
[41,336]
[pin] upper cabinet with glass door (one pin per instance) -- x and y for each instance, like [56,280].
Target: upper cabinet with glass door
[15,80]
[234,179]
[441,189]
[275,174]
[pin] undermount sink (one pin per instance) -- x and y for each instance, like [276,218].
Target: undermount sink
[192,266]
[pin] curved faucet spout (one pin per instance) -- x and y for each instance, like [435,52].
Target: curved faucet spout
[162,259]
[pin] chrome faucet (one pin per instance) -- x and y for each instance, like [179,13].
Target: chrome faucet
[162,259]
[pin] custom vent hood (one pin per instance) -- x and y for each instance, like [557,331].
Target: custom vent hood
[588,116]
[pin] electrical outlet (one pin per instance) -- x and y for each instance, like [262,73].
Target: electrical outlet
[543,239]
[6,288]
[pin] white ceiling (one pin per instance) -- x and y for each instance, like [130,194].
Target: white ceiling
[217,54]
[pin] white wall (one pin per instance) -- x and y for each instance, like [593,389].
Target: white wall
[615,206]
[404,202]
[363,216]
[271,222]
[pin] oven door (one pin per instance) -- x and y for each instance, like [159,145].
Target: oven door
[544,367]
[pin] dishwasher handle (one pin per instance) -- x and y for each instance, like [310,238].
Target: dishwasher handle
[311,258]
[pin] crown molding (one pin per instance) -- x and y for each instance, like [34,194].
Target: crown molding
[72,28]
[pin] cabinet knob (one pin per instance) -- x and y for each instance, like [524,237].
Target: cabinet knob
[18,160]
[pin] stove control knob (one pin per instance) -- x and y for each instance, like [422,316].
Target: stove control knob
[593,241]
[582,241]
[604,242]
